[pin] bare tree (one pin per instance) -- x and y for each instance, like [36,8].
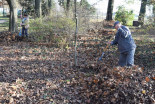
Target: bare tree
[13,15]
[142,12]
[38,10]
[110,10]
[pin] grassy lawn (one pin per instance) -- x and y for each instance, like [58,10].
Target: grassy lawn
[4,18]
[4,26]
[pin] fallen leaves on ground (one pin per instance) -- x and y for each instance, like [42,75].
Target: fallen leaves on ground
[40,75]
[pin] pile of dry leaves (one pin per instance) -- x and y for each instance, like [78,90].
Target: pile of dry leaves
[117,85]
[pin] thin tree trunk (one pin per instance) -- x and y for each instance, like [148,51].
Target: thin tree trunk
[68,5]
[38,10]
[75,58]
[110,10]
[142,12]
[81,2]
[45,10]
[3,11]
[49,6]
[154,12]
[3,7]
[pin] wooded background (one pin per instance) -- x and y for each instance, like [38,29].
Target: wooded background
[42,8]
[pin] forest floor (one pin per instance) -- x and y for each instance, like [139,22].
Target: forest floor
[35,74]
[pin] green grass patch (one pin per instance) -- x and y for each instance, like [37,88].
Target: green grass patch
[4,18]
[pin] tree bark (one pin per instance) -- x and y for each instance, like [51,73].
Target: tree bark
[154,11]
[76,31]
[68,5]
[142,12]
[49,6]
[3,8]
[110,10]
[13,15]
[81,2]
[38,10]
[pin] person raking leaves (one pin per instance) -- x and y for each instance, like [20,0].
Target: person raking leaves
[126,45]
[25,25]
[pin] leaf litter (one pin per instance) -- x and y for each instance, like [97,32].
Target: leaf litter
[44,75]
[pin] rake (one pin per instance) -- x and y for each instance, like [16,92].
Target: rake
[105,49]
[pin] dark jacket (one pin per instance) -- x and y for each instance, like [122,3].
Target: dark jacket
[124,40]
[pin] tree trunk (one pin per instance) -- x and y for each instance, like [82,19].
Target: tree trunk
[76,31]
[142,12]
[49,6]
[13,15]
[110,10]
[154,12]
[81,2]
[68,5]
[45,8]
[3,11]
[38,10]
[3,8]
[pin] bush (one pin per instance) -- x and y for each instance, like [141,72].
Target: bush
[124,16]
[56,30]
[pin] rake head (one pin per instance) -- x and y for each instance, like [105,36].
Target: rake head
[100,59]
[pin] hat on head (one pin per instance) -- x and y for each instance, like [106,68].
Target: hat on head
[117,22]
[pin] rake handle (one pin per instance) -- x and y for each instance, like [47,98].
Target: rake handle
[108,44]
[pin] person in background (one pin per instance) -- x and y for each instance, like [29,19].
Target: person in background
[126,45]
[25,25]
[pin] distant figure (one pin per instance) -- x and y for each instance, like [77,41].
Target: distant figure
[25,25]
[126,45]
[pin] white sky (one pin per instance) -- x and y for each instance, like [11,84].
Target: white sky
[102,5]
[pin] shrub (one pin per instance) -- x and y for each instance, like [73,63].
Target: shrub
[124,16]
[56,30]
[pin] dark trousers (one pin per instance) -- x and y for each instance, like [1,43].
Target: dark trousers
[127,58]
[24,32]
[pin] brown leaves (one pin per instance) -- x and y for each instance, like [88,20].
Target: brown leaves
[8,36]
[112,84]
[47,75]
[147,79]
[105,93]
[153,78]
[96,81]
